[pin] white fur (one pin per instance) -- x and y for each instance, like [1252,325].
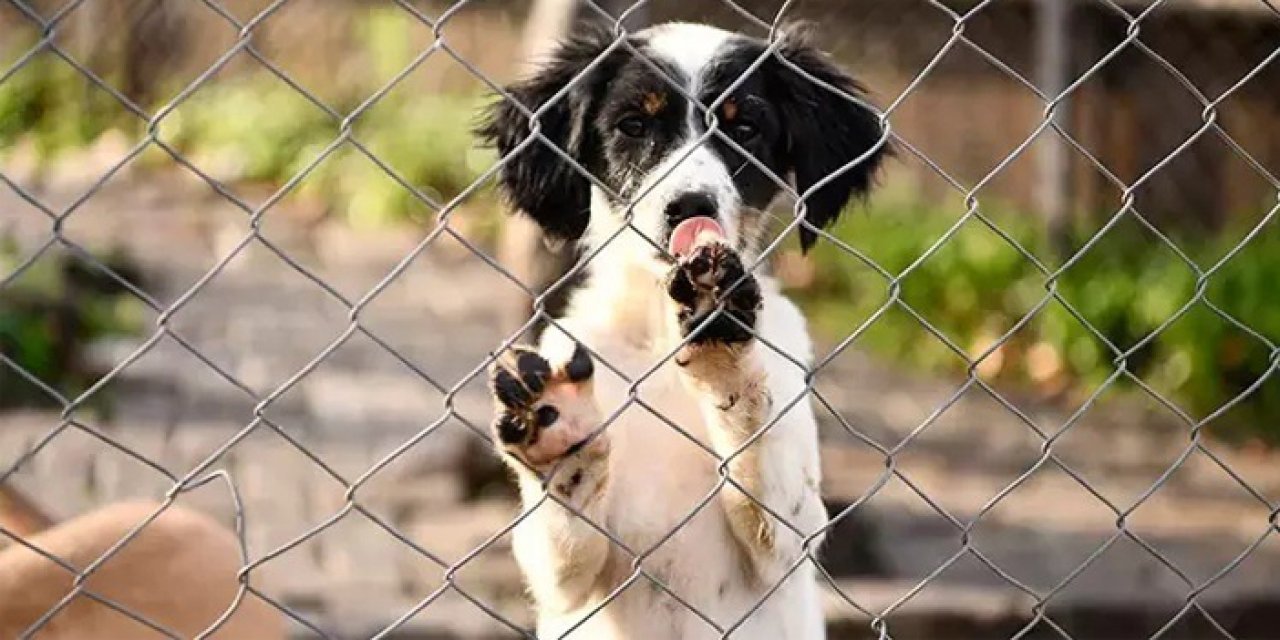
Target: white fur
[691,47]
[654,477]
[689,168]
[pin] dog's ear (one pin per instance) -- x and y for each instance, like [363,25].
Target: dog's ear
[826,130]
[536,179]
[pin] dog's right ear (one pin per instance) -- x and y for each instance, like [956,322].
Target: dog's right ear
[826,130]
[536,179]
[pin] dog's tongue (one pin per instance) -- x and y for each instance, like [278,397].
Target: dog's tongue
[691,233]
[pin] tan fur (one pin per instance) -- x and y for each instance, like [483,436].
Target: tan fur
[654,102]
[19,516]
[730,109]
[179,573]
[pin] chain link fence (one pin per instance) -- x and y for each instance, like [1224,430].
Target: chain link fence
[1051,145]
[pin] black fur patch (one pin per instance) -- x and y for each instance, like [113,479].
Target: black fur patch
[826,132]
[535,178]
[754,107]
[628,159]
[804,128]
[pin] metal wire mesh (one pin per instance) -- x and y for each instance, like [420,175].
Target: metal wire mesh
[1049,128]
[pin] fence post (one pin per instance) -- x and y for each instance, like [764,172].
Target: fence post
[1053,69]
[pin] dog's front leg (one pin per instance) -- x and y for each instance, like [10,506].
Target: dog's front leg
[774,471]
[545,419]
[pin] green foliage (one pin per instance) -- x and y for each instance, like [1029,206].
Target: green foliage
[50,313]
[385,38]
[426,141]
[251,126]
[257,128]
[53,102]
[260,130]
[1128,286]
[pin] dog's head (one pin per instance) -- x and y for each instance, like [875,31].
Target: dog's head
[622,119]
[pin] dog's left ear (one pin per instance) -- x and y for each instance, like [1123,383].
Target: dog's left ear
[536,179]
[826,131]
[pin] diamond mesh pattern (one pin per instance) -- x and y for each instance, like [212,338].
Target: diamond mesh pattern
[1134,15]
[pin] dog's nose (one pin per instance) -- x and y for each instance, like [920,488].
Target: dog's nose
[690,205]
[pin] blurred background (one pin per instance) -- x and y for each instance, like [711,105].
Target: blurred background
[222,220]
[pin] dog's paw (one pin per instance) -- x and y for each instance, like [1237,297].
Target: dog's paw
[713,278]
[544,412]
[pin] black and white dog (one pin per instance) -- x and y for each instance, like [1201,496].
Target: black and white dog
[682,218]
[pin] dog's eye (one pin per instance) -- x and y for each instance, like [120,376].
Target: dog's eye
[743,130]
[632,126]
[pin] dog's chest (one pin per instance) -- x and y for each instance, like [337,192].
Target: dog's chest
[662,456]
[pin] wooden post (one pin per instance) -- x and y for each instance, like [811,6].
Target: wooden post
[1053,74]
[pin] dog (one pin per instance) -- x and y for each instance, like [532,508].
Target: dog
[661,436]
[180,575]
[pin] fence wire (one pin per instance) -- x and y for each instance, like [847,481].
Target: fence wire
[1049,128]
